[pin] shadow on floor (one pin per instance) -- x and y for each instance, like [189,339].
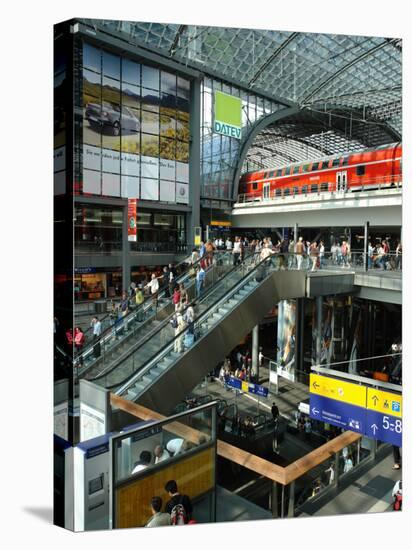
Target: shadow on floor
[43,513]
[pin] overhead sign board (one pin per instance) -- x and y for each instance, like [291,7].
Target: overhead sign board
[227,111]
[353,394]
[338,413]
[371,412]
[385,402]
[247,387]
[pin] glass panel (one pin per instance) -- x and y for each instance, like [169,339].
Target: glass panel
[92,58]
[150,100]
[131,96]
[130,72]
[111,90]
[150,122]
[168,83]
[182,151]
[168,149]
[130,143]
[150,145]
[111,65]
[150,77]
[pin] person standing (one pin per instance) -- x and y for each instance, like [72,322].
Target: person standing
[228,245]
[398,256]
[179,506]
[313,252]
[275,411]
[181,325]
[299,252]
[153,285]
[321,255]
[200,280]
[236,251]
[158,518]
[396,457]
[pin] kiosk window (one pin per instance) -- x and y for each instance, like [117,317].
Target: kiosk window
[360,170]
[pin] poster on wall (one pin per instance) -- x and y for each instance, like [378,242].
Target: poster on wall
[286,339]
[131,220]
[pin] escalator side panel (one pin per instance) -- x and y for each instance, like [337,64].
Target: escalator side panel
[170,388]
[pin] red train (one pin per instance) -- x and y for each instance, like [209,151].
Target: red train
[362,171]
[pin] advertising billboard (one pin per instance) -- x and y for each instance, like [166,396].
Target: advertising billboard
[227,112]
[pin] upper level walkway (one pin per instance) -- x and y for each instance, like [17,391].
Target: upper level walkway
[380,207]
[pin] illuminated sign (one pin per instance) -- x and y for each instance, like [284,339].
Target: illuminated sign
[353,394]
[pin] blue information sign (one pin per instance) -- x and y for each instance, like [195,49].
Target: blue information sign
[247,387]
[384,427]
[337,413]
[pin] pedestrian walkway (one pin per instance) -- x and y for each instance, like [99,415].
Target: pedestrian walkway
[369,492]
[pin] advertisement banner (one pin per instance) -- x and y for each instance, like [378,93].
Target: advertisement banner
[131,220]
[227,112]
[286,339]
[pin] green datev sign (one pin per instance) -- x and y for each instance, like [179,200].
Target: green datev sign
[227,118]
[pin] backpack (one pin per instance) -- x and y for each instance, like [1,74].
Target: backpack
[178,515]
[173,322]
[397,505]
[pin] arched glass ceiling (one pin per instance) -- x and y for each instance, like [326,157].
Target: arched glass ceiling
[313,70]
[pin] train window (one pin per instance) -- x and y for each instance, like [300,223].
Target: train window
[360,170]
[324,186]
[345,161]
[278,192]
[254,185]
[336,162]
[279,173]
[314,188]
[287,171]
[286,191]
[272,174]
[305,168]
[295,170]
[304,189]
[296,190]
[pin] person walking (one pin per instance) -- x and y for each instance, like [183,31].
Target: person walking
[179,506]
[321,255]
[236,251]
[313,253]
[153,285]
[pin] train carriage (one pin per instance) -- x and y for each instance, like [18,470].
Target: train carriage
[359,171]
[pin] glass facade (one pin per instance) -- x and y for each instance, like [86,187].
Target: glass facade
[135,130]
[219,153]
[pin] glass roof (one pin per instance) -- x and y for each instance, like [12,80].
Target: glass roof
[356,81]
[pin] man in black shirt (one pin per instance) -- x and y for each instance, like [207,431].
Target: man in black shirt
[177,499]
[275,412]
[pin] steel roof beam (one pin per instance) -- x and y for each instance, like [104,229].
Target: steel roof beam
[345,68]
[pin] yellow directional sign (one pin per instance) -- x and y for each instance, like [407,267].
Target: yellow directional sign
[385,402]
[338,390]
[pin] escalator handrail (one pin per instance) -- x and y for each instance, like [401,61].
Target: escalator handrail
[164,323]
[149,363]
[147,299]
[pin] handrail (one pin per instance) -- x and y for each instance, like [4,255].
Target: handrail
[133,312]
[162,325]
[207,313]
[148,365]
[274,472]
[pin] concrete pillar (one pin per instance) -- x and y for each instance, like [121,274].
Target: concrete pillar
[365,246]
[193,218]
[125,252]
[291,506]
[255,351]
[319,303]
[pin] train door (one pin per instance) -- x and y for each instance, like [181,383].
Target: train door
[266,191]
[341,182]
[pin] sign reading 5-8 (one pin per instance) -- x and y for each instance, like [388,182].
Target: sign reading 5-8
[384,427]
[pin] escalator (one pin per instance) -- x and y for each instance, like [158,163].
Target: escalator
[160,372]
[120,335]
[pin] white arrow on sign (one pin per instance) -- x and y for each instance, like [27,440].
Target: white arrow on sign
[315,411]
[374,428]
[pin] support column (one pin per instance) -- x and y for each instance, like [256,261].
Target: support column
[125,253]
[193,218]
[300,320]
[295,232]
[255,351]
[319,304]
[274,500]
[291,506]
[365,246]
